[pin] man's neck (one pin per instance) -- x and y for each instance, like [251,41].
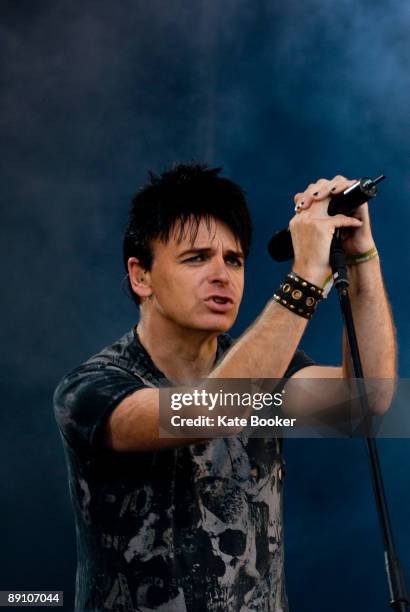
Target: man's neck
[182,355]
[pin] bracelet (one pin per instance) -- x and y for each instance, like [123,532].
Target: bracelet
[298,295]
[353,260]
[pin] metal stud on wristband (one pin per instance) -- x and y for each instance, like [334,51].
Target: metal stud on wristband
[298,295]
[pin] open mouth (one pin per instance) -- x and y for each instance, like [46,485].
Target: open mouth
[219,303]
[219,299]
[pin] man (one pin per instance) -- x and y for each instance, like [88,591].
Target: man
[177,524]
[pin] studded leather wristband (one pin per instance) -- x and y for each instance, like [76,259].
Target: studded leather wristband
[298,295]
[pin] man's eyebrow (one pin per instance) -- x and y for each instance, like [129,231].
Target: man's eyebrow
[207,250]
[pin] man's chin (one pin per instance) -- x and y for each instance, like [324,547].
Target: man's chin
[222,326]
[214,324]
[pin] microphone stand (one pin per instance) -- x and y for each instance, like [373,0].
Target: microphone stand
[398,595]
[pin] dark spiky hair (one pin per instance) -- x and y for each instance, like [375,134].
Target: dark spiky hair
[183,196]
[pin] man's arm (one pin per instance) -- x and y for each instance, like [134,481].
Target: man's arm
[373,320]
[377,345]
[263,351]
[371,311]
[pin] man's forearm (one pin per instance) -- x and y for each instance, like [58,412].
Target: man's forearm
[263,351]
[373,322]
[266,348]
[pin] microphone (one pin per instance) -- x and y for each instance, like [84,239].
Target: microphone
[280,246]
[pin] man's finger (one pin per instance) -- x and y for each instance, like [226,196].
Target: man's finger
[314,191]
[344,221]
[339,184]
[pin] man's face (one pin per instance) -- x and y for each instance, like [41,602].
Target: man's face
[198,285]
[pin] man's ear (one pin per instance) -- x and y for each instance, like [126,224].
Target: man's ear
[140,278]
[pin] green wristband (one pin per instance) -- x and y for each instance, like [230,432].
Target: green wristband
[354,260]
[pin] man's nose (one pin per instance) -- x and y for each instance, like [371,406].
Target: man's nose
[218,271]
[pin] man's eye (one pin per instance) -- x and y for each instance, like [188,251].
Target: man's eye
[234,261]
[196,258]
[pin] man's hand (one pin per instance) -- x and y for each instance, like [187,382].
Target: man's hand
[355,240]
[312,229]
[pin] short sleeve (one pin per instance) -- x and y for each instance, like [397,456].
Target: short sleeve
[86,397]
[299,360]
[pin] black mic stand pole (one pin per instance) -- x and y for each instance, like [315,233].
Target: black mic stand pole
[398,595]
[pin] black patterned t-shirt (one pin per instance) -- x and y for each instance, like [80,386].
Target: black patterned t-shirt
[196,528]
